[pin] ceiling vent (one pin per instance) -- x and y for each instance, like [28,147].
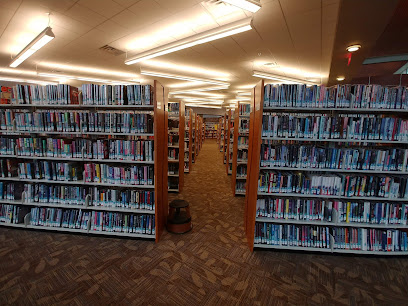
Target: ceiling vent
[111,50]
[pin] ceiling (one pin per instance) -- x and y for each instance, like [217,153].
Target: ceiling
[295,37]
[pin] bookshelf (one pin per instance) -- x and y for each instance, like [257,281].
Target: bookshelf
[230,141]
[176,146]
[221,134]
[192,138]
[225,136]
[211,130]
[341,187]
[240,151]
[198,135]
[90,162]
[188,141]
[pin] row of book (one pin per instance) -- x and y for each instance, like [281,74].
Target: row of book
[334,185]
[174,109]
[240,186]
[56,194]
[242,140]
[338,96]
[8,168]
[332,211]
[244,109]
[115,149]
[50,170]
[131,175]
[76,195]
[10,191]
[241,170]
[77,121]
[319,126]
[293,235]
[338,238]
[59,217]
[123,223]
[93,94]
[319,157]
[243,125]
[370,239]
[242,155]
[173,154]
[12,214]
[60,94]
[124,198]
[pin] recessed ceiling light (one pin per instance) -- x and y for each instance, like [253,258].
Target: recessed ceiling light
[340,78]
[248,5]
[353,48]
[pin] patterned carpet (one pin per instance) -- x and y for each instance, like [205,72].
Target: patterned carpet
[211,265]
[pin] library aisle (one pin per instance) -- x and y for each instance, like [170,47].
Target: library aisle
[210,265]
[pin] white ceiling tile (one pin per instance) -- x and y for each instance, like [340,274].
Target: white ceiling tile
[112,29]
[126,3]
[69,24]
[58,6]
[11,5]
[106,8]
[177,5]
[85,15]
[148,12]
[127,20]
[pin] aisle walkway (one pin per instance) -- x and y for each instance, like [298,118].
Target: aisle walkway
[211,265]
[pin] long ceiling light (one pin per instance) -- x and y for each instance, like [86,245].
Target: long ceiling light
[182,77]
[198,93]
[27,81]
[203,106]
[249,5]
[72,77]
[200,38]
[36,44]
[199,90]
[280,78]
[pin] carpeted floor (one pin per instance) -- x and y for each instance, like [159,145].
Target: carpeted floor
[211,265]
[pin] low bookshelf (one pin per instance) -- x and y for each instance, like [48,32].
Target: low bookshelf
[327,169]
[88,162]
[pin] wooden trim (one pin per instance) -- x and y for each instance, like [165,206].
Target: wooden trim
[181,144]
[254,148]
[235,149]
[160,159]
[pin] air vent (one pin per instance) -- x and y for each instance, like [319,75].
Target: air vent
[111,50]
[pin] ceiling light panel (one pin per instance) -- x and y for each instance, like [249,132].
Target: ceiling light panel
[280,78]
[84,69]
[207,36]
[184,68]
[182,77]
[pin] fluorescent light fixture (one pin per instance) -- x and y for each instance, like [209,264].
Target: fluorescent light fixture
[242,98]
[280,78]
[245,93]
[203,106]
[199,90]
[200,38]
[340,78]
[353,48]
[182,77]
[195,98]
[198,93]
[36,44]
[248,5]
[27,81]
[72,77]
